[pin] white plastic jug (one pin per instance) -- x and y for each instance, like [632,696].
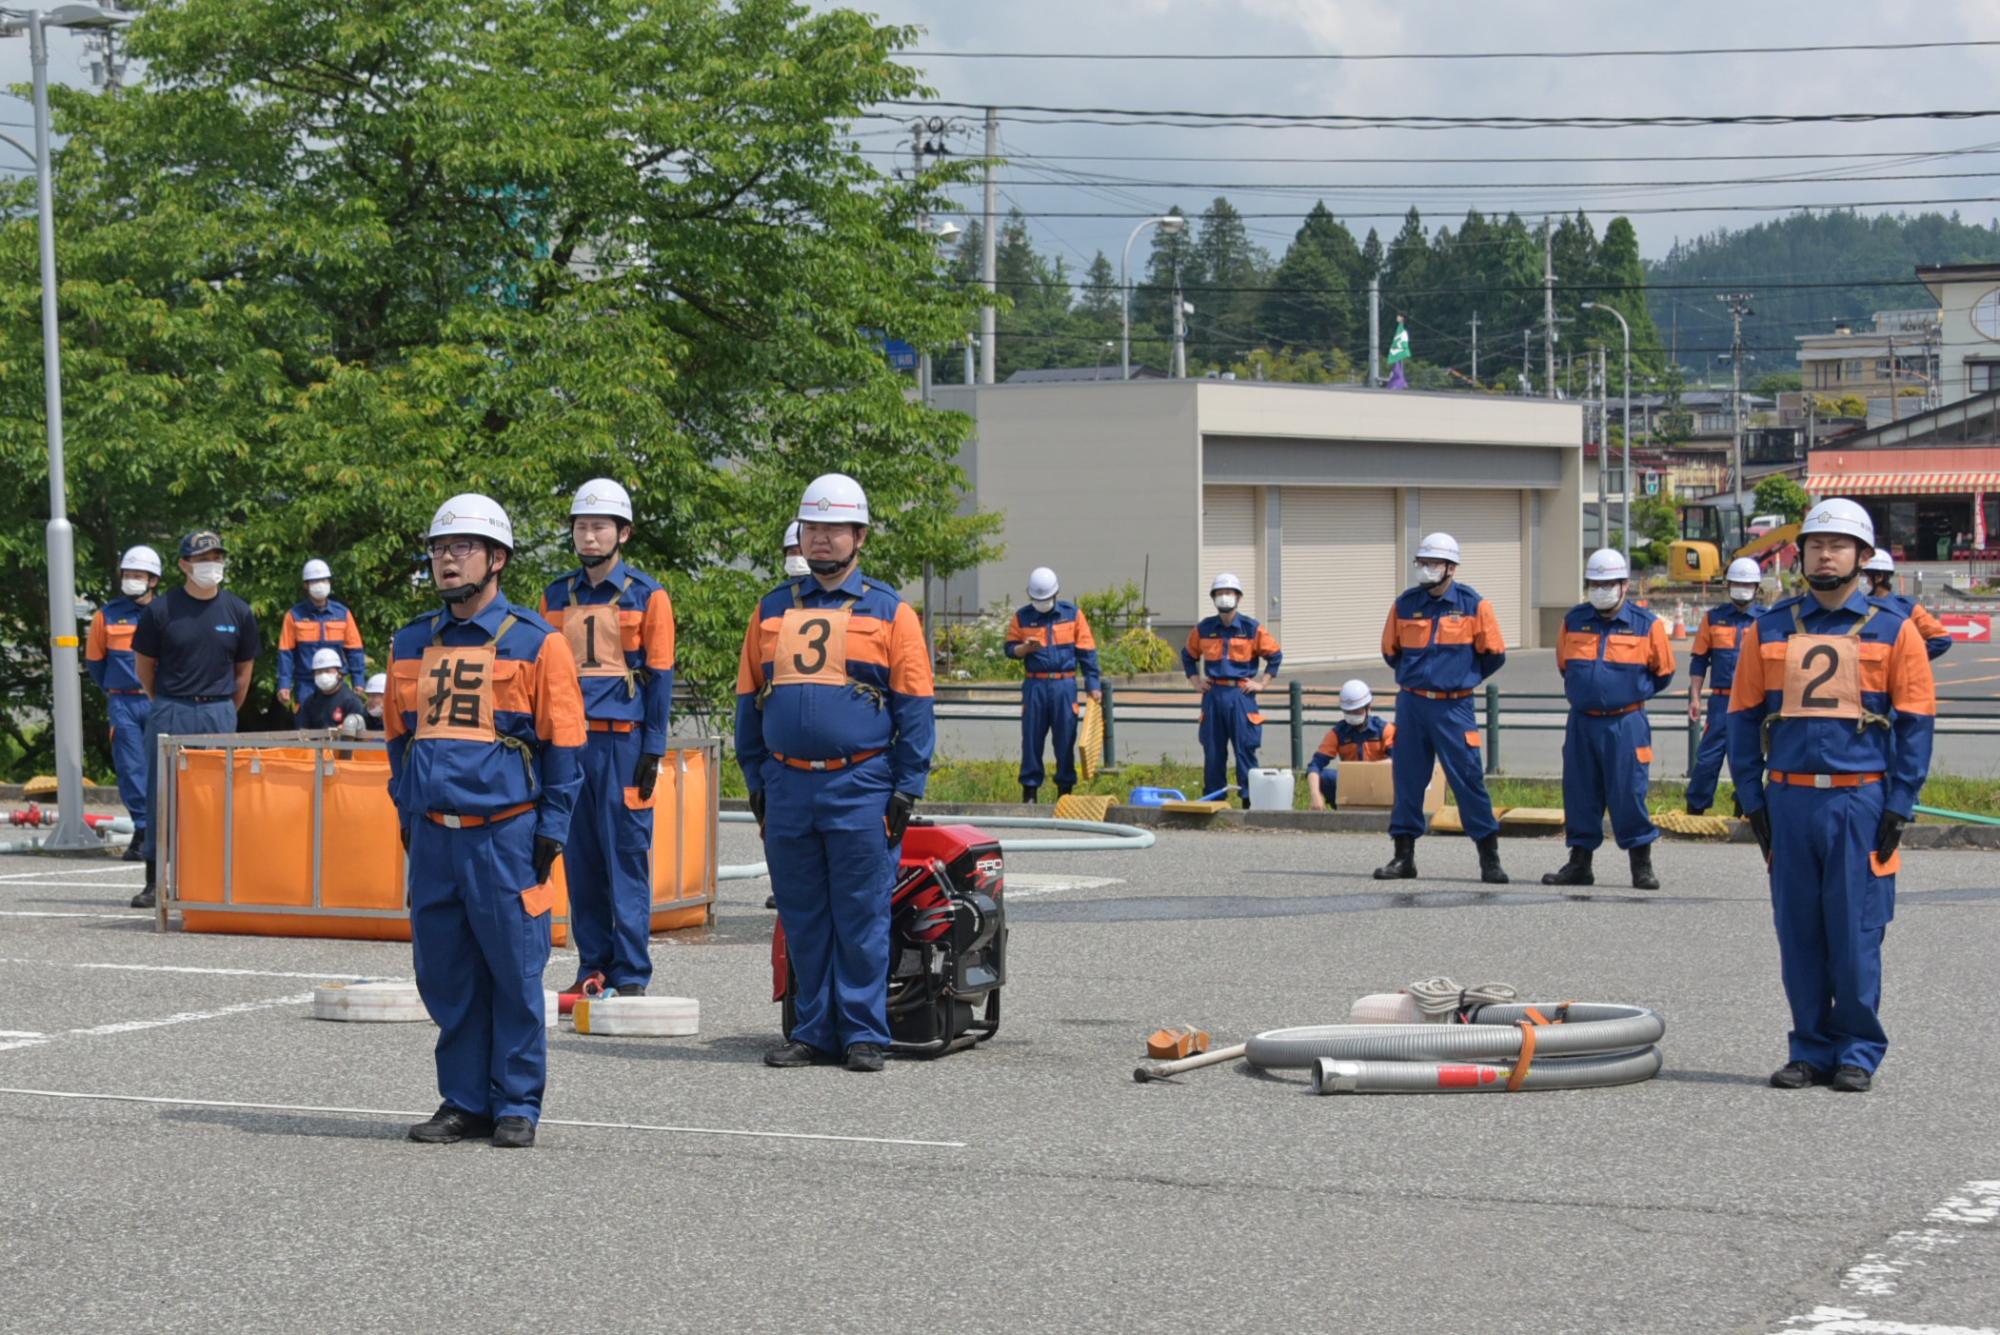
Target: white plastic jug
[1270,790]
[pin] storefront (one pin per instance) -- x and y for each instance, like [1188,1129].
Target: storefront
[1928,504]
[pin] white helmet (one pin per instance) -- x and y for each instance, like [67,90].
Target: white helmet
[1839,516]
[1606,563]
[1743,570]
[326,658]
[602,496]
[378,684]
[315,569]
[471,515]
[1356,695]
[1042,583]
[140,558]
[834,498]
[1438,547]
[1880,563]
[1225,581]
[791,535]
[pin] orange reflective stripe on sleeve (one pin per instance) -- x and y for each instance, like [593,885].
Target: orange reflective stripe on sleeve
[656,632]
[1661,650]
[1747,690]
[93,647]
[1267,644]
[1704,638]
[1928,626]
[402,696]
[558,694]
[1084,638]
[1329,745]
[909,662]
[553,618]
[1388,736]
[1389,645]
[1194,646]
[750,666]
[288,635]
[1912,689]
[1489,640]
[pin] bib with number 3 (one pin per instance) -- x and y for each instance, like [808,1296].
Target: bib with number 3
[812,648]
[455,694]
[593,635]
[1822,677]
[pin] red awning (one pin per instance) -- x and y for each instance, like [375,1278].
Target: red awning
[1901,484]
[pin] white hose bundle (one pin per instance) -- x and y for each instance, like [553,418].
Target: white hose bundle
[1440,999]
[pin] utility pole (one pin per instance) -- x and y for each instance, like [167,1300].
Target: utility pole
[1526,362]
[1549,303]
[923,355]
[1180,331]
[1604,451]
[1375,330]
[1739,306]
[1894,413]
[988,255]
[1475,347]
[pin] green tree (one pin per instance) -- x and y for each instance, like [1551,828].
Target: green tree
[1779,382]
[331,263]
[1655,525]
[1295,367]
[1674,423]
[1227,269]
[1313,301]
[1782,496]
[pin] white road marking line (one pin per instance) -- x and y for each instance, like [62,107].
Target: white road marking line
[546,1121]
[20,1033]
[325,976]
[1841,1321]
[133,916]
[1876,1275]
[190,1017]
[72,885]
[134,870]
[22,1043]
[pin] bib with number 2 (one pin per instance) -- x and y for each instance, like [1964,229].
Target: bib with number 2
[594,640]
[812,648]
[1822,677]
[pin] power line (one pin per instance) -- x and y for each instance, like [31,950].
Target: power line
[1400,159]
[1808,206]
[1264,187]
[1647,289]
[1356,56]
[1024,113]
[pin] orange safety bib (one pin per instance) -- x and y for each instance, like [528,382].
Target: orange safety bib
[812,648]
[595,639]
[1822,677]
[455,694]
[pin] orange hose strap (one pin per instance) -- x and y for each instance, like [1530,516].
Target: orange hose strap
[1526,1059]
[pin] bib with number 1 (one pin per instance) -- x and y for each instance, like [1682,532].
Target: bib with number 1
[1822,677]
[595,640]
[812,648]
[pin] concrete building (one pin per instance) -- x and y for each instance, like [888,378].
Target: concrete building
[1314,495]
[1931,482]
[1968,327]
[1898,355]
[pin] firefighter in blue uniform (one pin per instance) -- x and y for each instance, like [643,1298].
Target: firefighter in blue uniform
[1221,660]
[484,727]
[1714,661]
[1880,573]
[620,627]
[1358,736]
[1614,656]
[317,622]
[107,656]
[1052,638]
[1830,723]
[1443,639]
[834,731]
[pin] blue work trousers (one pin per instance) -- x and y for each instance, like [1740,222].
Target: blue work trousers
[1831,910]
[128,755]
[1431,732]
[609,863]
[1229,721]
[832,872]
[1607,763]
[1713,751]
[178,717]
[1048,706]
[479,958]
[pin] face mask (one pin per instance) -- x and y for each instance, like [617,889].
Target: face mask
[1041,604]
[1604,597]
[208,574]
[328,682]
[797,567]
[318,590]
[1225,602]
[133,588]
[1742,593]
[374,709]
[1355,717]
[1429,573]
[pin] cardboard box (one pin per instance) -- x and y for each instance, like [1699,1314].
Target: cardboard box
[1367,783]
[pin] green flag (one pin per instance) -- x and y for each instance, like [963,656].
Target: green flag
[1399,346]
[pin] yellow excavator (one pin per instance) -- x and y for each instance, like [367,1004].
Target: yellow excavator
[1710,530]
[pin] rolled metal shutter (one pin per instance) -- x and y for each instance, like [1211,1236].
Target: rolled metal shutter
[1229,542]
[1487,525]
[1340,571]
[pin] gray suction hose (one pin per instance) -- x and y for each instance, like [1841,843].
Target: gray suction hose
[1597,1044]
[1097,836]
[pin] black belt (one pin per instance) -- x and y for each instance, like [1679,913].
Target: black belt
[203,699]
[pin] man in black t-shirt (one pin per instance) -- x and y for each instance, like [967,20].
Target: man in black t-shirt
[193,650]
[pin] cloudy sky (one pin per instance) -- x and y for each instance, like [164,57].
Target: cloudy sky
[1963,78]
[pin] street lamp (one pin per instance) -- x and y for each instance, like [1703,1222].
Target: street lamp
[1168,223]
[1627,421]
[66,717]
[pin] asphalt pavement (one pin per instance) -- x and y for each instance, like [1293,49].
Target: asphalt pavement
[1030,1185]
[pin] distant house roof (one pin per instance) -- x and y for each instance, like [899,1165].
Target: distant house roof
[1059,375]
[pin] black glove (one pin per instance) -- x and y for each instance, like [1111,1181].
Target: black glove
[1760,825]
[901,807]
[1889,835]
[757,808]
[648,775]
[547,851]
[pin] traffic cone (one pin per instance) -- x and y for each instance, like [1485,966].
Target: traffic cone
[1680,621]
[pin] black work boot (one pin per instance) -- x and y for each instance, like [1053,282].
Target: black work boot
[1851,1080]
[1694,810]
[1063,790]
[1028,794]
[796,1053]
[630,989]
[1797,1075]
[1574,872]
[1642,868]
[448,1125]
[135,851]
[864,1057]
[149,896]
[513,1133]
[1403,866]
[1490,870]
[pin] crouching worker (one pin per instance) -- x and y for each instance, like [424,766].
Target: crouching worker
[1358,736]
[1614,656]
[485,725]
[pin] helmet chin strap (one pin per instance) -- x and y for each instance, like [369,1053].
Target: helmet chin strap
[823,567]
[1828,583]
[593,562]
